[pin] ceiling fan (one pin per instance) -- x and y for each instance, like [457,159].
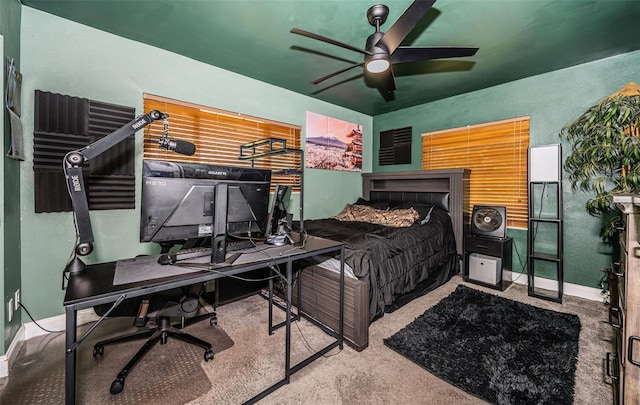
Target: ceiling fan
[383,49]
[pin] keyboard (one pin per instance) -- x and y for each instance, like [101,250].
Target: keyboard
[185,254]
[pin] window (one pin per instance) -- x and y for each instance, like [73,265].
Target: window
[218,135]
[496,154]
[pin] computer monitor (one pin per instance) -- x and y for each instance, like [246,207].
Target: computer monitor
[279,219]
[179,201]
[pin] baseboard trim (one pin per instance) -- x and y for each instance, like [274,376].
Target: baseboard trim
[14,348]
[29,330]
[576,290]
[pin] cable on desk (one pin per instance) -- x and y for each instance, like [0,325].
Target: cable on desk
[275,267]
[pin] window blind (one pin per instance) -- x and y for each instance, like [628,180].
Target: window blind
[218,135]
[496,154]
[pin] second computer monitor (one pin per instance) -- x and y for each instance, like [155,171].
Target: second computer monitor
[277,219]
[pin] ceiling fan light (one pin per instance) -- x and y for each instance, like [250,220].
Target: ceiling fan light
[377,65]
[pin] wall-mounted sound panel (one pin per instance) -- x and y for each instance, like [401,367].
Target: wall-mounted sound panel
[395,146]
[64,123]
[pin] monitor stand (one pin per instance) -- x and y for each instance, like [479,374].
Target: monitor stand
[282,236]
[219,226]
[278,240]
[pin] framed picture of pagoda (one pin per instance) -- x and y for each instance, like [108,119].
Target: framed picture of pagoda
[332,144]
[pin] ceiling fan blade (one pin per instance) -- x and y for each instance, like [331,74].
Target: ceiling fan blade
[388,80]
[383,80]
[388,96]
[403,25]
[417,53]
[329,76]
[328,40]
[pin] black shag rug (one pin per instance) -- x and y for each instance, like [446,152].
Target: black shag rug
[502,351]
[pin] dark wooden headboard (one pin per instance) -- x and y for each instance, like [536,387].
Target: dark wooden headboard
[447,189]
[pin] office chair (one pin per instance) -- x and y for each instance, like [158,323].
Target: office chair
[183,303]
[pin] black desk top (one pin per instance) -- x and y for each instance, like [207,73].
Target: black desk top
[95,285]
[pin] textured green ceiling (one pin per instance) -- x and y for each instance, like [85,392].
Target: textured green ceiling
[517,39]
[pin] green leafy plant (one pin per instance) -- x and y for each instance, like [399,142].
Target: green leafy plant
[605,155]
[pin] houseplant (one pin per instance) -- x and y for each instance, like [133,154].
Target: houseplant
[605,153]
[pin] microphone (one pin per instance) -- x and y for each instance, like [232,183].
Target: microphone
[182,147]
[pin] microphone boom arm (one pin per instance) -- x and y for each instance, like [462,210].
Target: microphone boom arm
[72,168]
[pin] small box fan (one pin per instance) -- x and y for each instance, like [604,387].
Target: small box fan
[489,221]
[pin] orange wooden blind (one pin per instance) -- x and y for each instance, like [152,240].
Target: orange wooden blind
[218,135]
[496,154]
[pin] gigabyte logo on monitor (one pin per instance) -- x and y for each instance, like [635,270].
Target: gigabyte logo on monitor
[217,173]
[155,183]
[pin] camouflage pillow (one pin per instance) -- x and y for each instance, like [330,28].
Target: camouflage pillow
[393,218]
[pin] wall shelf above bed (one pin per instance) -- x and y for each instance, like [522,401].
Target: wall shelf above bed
[268,147]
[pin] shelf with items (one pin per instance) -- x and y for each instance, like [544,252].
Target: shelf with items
[545,239]
[272,147]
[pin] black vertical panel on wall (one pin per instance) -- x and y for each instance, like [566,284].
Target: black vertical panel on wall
[112,177]
[65,123]
[395,146]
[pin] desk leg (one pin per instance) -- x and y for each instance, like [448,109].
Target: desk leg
[299,283]
[287,369]
[271,306]
[70,359]
[341,309]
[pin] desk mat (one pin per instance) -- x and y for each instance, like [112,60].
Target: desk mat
[144,268]
[265,253]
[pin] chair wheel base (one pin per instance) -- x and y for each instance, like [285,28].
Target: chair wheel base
[117,386]
[208,355]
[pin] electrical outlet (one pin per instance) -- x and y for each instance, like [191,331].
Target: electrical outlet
[16,299]
[10,309]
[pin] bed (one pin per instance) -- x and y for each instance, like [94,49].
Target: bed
[390,265]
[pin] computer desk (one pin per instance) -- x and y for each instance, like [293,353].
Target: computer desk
[95,287]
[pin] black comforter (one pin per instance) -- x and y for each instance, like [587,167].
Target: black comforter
[395,261]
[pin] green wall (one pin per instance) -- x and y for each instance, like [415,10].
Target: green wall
[551,100]
[10,281]
[68,58]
